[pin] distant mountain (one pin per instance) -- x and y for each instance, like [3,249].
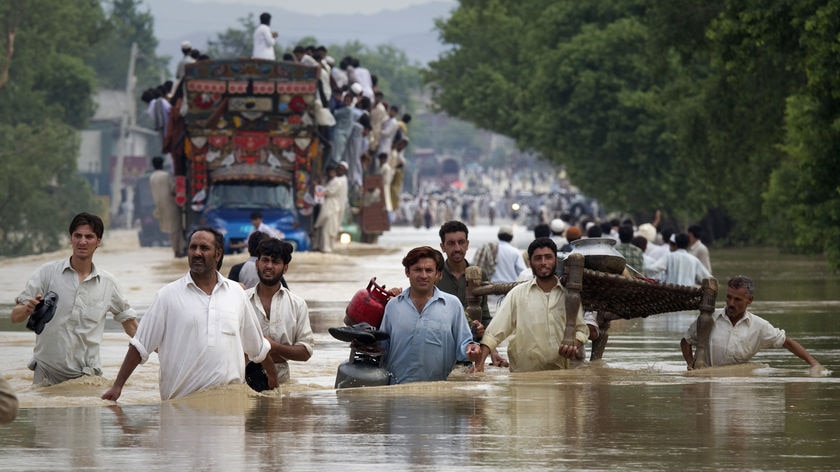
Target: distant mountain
[410,29]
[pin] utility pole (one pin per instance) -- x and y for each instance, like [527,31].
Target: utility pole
[126,123]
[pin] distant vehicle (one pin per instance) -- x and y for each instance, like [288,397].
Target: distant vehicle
[580,205]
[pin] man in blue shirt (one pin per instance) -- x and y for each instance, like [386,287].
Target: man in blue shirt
[427,327]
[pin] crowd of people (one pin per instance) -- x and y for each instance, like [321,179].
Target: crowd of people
[219,324]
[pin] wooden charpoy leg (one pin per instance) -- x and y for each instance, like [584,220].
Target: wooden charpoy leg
[573,268]
[705,321]
[598,345]
[473,308]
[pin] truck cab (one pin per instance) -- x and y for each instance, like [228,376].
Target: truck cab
[230,204]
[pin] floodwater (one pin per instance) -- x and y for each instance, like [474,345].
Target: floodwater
[637,409]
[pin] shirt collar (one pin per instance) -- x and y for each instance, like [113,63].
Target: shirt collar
[437,294]
[67,266]
[220,280]
[747,319]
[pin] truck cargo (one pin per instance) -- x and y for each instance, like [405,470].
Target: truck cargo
[250,144]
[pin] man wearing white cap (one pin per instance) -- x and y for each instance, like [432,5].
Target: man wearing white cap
[186,48]
[509,261]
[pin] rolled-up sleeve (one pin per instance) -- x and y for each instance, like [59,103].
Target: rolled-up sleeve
[253,342]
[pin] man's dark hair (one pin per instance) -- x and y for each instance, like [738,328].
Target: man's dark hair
[640,242]
[682,241]
[157,163]
[265,18]
[742,281]
[254,240]
[540,243]
[256,215]
[89,219]
[299,49]
[696,231]
[594,231]
[275,249]
[218,239]
[505,237]
[453,226]
[625,234]
[542,230]
[606,227]
[666,234]
[423,252]
[406,118]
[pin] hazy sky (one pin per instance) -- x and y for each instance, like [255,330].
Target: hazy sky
[323,7]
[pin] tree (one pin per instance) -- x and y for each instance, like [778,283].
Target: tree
[804,191]
[711,108]
[47,94]
[234,42]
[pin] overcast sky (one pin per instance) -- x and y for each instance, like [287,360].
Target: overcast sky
[323,7]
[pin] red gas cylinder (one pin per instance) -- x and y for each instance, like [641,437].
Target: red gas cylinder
[367,305]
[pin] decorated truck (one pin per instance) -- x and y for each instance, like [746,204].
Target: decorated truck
[250,145]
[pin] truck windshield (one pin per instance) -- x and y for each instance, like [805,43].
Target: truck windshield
[249,195]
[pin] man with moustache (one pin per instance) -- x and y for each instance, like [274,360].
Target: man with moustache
[283,316]
[534,312]
[454,242]
[200,326]
[428,331]
[737,335]
[68,346]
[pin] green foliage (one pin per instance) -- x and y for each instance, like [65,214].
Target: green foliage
[804,190]
[697,107]
[40,188]
[47,95]
[235,42]
[125,25]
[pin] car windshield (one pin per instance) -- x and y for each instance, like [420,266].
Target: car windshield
[249,195]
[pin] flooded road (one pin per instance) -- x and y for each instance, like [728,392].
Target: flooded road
[636,410]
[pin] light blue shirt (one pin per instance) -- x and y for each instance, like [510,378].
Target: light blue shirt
[424,346]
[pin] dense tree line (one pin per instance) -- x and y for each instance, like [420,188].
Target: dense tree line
[706,109]
[53,56]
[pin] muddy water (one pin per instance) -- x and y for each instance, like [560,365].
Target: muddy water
[636,410]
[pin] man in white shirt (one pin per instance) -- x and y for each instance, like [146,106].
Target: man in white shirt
[67,347]
[679,267]
[509,261]
[737,335]
[200,325]
[186,49]
[696,247]
[264,39]
[284,316]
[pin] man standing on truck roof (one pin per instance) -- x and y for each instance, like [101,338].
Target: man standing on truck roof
[264,39]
